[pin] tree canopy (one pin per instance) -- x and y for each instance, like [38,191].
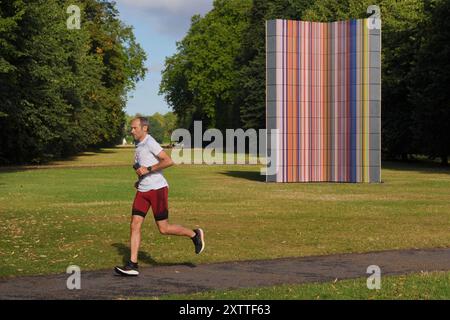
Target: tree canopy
[63,90]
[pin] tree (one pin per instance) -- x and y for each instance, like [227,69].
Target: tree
[175,86]
[62,90]
[199,81]
[430,94]
[10,15]
[170,124]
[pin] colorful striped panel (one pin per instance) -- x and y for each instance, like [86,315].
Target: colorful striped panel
[324,96]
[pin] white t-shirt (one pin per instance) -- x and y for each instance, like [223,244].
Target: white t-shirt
[146,155]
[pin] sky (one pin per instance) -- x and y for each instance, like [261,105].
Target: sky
[158,25]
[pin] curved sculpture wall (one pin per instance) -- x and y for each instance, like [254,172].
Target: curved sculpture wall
[324,98]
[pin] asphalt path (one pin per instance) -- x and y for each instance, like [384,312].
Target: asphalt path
[190,278]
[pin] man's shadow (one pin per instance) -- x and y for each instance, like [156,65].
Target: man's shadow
[124,251]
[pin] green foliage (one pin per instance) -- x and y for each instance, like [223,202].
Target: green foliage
[62,90]
[430,93]
[199,81]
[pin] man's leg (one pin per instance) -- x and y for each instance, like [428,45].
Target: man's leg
[174,229]
[131,267]
[135,236]
[139,210]
[160,209]
[197,235]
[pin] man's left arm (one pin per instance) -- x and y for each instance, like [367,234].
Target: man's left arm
[165,161]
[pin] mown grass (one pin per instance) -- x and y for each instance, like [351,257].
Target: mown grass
[421,286]
[77,212]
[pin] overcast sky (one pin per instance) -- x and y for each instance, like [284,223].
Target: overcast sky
[158,25]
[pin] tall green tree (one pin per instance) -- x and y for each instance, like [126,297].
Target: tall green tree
[33,88]
[115,44]
[175,87]
[199,81]
[430,94]
[10,14]
[62,90]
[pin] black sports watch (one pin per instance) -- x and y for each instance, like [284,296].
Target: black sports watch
[149,169]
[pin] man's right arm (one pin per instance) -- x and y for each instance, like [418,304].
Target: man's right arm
[165,161]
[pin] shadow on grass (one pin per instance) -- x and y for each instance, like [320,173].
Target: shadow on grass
[51,163]
[124,251]
[427,167]
[83,154]
[102,151]
[247,175]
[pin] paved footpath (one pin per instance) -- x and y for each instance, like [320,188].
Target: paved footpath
[176,279]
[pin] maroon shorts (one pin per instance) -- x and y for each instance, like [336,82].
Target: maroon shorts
[157,199]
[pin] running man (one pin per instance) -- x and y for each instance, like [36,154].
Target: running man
[152,191]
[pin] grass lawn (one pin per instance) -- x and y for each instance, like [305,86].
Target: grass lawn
[78,211]
[426,286]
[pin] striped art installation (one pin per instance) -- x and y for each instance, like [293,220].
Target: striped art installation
[324,100]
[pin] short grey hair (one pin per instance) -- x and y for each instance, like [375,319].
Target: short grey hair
[143,122]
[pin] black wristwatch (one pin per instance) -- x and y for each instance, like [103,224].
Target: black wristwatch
[149,169]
